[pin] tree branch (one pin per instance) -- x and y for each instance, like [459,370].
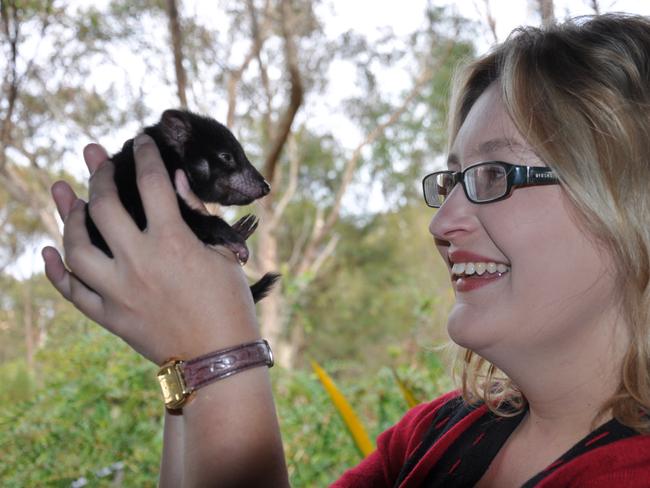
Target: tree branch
[11,76]
[292,185]
[14,184]
[325,228]
[177,48]
[296,96]
[546,11]
[264,76]
[489,18]
[259,37]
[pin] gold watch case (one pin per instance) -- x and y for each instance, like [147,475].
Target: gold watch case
[175,392]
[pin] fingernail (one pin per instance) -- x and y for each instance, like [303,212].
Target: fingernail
[78,204]
[140,140]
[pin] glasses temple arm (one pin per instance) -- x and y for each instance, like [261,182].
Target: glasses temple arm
[540,176]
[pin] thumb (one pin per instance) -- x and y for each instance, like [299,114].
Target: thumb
[186,193]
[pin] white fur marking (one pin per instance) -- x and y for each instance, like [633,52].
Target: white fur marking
[203,168]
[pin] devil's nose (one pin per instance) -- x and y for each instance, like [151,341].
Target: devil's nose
[266,188]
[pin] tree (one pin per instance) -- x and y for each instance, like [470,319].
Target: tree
[177,48]
[546,12]
[27,184]
[285,56]
[283,161]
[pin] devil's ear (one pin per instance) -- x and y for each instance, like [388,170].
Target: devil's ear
[176,129]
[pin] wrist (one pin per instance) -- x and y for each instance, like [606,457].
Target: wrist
[180,378]
[199,336]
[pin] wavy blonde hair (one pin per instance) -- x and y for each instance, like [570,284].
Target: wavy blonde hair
[579,92]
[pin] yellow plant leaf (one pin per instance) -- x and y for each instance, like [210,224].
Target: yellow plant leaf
[352,422]
[406,392]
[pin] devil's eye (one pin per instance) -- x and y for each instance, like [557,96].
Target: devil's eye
[226,157]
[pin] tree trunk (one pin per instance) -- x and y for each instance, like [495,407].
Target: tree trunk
[28,320]
[272,323]
[546,12]
[272,318]
[177,43]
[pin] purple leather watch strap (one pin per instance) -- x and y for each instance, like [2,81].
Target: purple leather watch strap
[217,365]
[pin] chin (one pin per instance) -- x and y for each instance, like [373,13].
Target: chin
[470,332]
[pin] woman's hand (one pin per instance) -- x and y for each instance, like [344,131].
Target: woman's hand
[164,292]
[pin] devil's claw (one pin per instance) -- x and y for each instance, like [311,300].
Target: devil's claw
[246,225]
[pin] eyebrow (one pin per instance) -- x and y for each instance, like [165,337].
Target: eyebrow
[486,147]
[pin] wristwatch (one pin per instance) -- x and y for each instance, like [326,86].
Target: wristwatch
[179,379]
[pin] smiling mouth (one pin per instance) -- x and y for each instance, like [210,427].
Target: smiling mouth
[471,275]
[459,270]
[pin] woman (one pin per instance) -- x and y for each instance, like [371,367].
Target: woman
[542,222]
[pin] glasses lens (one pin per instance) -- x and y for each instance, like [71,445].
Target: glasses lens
[485,182]
[437,187]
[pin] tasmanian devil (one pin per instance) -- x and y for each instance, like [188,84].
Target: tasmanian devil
[218,172]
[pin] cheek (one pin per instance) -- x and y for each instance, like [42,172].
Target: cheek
[560,281]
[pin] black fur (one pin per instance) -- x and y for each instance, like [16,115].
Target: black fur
[218,172]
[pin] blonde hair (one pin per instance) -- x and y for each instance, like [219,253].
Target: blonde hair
[579,92]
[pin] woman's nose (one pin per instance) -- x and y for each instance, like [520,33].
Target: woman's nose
[456,216]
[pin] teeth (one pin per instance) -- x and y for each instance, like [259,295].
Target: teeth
[469,269]
[458,268]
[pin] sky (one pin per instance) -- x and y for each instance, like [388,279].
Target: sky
[369,17]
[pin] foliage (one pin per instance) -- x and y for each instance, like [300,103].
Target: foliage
[317,444]
[387,292]
[93,403]
[96,403]
[53,319]
[80,400]
[350,418]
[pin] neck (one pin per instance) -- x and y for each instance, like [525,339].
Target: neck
[567,383]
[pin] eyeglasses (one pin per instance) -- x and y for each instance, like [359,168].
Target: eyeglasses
[485,182]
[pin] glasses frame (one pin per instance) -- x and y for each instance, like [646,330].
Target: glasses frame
[517,176]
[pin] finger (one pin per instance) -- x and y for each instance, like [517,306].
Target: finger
[94,155]
[186,193]
[64,198]
[55,270]
[107,212]
[156,190]
[85,260]
[87,301]
[225,252]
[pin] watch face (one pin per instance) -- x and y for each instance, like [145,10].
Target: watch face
[172,385]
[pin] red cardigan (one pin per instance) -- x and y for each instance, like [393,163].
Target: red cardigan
[622,463]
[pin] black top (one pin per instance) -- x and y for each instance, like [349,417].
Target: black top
[468,458]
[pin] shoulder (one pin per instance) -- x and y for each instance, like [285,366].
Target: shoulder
[625,462]
[397,444]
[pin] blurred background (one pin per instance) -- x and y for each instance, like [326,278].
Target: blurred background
[342,106]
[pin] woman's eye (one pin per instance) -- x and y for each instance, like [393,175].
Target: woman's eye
[492,175]
[488,175]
